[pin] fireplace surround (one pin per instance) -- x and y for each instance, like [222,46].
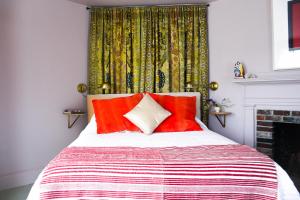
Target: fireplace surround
[272,98]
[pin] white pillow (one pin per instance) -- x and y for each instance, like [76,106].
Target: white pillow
[147,114]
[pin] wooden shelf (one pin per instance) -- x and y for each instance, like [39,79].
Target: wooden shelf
[220,116]
[73,113]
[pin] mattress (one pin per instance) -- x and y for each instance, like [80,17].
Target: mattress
[89,138]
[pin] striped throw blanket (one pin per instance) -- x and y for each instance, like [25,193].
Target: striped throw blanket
[199,172]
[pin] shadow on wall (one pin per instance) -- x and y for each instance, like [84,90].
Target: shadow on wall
[7,88]
[43,51]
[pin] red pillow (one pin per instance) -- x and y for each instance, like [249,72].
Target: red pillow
[183,111]
[109,113]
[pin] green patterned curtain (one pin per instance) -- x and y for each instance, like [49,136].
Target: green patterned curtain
[154,49]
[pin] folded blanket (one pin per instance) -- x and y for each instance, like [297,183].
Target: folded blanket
[198,172]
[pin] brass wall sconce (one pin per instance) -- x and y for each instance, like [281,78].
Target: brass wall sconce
[213,85]
[189,87]
[82,88]
[106,86]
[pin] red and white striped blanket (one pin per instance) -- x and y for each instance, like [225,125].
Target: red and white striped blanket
[201,172]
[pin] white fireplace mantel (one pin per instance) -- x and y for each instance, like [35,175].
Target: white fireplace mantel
[258,81]
[283,77]
[268,94]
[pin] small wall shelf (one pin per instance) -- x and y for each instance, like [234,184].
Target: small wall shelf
[220,116]
[73,113]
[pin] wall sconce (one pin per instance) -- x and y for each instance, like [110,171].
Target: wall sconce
[82,88]
[106,86]
[213,85]
[189,87]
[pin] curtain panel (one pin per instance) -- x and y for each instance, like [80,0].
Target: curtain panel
[154,49]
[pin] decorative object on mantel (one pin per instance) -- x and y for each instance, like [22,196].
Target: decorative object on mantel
[239,71]
[76,113]
[220,116]
[251,76]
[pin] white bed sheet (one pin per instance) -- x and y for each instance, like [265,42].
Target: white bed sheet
[89,138]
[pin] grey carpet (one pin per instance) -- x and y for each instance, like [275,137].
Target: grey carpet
[19,193]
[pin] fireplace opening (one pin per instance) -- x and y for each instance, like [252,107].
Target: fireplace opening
[286,149]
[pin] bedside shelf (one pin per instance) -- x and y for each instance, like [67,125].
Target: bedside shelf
[220,116]
[73,113]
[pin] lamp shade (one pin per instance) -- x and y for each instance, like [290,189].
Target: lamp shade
[189,86]
[106,86]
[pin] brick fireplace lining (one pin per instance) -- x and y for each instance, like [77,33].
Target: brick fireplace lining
[264,127]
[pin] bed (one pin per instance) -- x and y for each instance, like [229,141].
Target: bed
[184,145]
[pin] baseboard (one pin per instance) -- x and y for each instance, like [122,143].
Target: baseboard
[19,178]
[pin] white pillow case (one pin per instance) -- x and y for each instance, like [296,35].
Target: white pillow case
[147,114]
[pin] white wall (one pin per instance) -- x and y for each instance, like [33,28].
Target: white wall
[239,30]
[43,55]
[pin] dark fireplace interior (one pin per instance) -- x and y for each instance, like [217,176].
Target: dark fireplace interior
[286,151]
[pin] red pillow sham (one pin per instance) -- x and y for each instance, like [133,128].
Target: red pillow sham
[183,111]
[109,113]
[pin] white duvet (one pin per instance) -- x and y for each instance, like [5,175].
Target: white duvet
[89,138]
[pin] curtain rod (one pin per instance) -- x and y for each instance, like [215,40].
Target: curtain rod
[167,5]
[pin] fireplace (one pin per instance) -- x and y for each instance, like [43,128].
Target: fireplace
[278,136]
[287,149]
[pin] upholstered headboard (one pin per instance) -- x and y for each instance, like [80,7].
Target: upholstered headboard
[109,96]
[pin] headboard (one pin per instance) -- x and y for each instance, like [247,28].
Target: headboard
[90,108]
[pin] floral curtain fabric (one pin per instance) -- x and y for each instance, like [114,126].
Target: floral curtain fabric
[154,49]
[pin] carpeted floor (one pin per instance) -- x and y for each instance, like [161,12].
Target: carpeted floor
[19,193]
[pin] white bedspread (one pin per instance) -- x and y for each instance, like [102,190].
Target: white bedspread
[89,138]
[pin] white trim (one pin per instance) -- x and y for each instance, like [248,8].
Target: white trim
[256,81]
[266,78]
[275,102]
